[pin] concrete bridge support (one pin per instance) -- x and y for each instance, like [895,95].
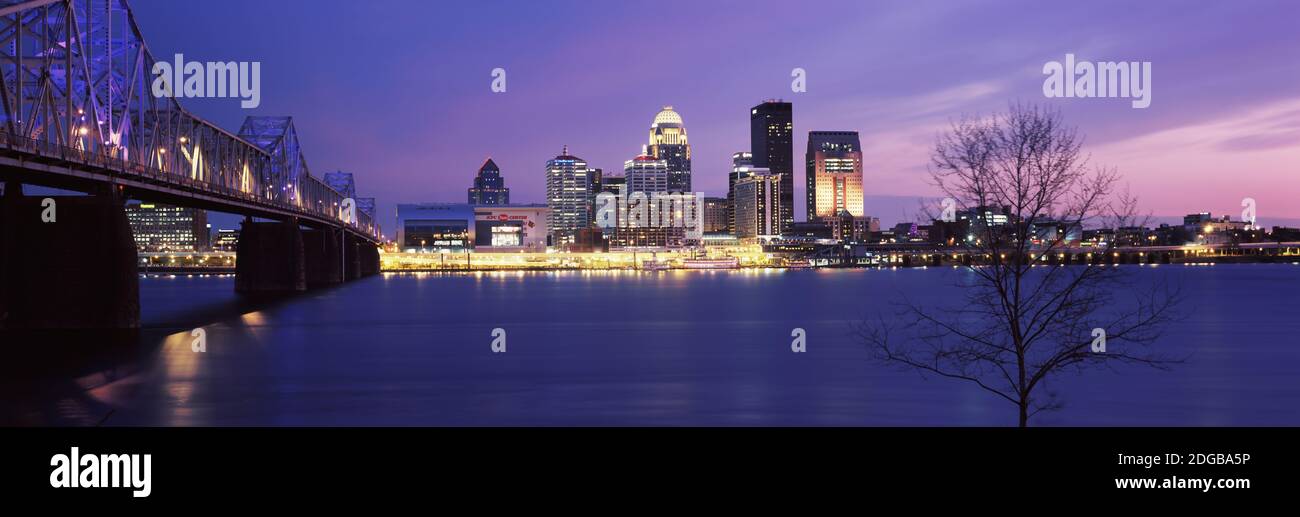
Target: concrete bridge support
[323,254]
[369,256]
[271,258]
[351,258]
[68,263]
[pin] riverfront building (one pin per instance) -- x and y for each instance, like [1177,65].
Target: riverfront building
[834,174]
[771,140]
[742,165]
[758,206]
[452,227]
[567,195]
[168,228]
[489,187]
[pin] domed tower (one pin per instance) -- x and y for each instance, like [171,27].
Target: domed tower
[668,143]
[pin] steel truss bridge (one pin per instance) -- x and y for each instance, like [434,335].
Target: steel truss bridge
[78,111]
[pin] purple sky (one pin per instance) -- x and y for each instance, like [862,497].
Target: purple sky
[397,92]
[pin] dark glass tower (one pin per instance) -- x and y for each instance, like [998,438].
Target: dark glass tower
[771,140]
[489,187]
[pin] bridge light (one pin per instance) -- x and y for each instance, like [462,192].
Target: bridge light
[184,139]
[83,131]
[162,151]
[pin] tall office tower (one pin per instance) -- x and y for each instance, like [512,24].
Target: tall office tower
[771,139]
[668,143]
[489,187]
[742,165]
[646,174]
[168,228]
[567,183]
[834,172]
[758,205]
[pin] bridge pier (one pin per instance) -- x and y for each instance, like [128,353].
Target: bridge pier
[351,258]
[69,265]
[271,258]
[369,256]
[323,251]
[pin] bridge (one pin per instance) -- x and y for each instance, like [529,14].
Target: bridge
[77,112]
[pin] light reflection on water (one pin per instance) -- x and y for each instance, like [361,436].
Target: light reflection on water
[633,347]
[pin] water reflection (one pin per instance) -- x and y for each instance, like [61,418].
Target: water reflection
[614,348]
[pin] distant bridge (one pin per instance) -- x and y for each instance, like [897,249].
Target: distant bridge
[77,112]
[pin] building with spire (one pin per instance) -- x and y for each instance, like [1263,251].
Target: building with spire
[668,143]
[489,187]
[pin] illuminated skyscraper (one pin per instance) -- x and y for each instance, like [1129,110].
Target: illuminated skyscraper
[646,174]
[489,187]
[834,172]
[668,143]
[758,205]
[742,165]
[567,187]
[771,139]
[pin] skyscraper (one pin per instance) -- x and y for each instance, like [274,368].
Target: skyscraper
[834,174]
[668,143]
[742,165]
[758,205]
[771,139]
[646,174]
[595,182]
[489,187]
[567,185]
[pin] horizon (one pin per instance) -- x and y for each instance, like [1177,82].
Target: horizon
[897,73]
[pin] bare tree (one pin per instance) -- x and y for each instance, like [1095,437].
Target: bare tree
[1024,315]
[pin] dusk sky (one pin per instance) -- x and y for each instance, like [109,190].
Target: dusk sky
[398,92]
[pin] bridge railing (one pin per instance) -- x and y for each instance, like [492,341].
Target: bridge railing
[321,201]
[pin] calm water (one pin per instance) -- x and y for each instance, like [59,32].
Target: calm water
[671,348]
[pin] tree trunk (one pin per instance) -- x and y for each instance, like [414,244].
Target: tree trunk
[1024,413]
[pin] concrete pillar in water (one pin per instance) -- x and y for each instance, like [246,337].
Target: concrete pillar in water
[323,250]
[270,258]
[67,263]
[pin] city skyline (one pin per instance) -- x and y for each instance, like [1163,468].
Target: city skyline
[1220,136]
